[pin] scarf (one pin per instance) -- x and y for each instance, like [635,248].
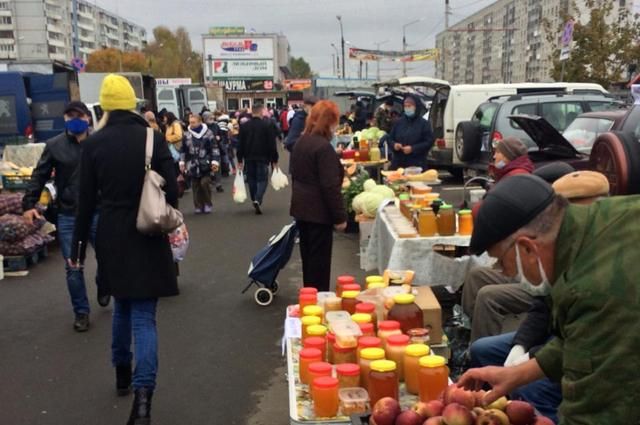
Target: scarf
[520,165]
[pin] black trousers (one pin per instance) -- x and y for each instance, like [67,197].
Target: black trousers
[316,242]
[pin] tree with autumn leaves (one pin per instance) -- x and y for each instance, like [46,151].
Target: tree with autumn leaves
[170,55]
[604,47]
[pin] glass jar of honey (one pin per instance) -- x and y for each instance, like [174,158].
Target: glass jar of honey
[313,310]
[364,154]
[331,339]
[348,374]
[306,321]
[307,356]
[374,154]
[412,355]
[386,328]
[396,346]
[349,301]
[406,312]
[465,222]
[368,308]
[325,397]
[351,287]
[367,356]
[433,377]
[306,300]
[365,342]
[427,223]
[419,336]
[367,329]
[383,381]
[318,370]
[446,221]
[343,280]
[318,342]
[343,354]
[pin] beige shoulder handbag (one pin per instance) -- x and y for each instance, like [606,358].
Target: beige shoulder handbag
[155,215]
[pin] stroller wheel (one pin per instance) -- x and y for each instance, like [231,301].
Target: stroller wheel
[275,288]
[263,296]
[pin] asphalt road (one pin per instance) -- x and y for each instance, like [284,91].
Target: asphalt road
[220,355]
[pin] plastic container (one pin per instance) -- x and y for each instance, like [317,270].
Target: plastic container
[348,374]
[412,355]
[367,342]
[465,222]
[342,355]
[433,377]
[396,347]
[386,328]
[368,308]
[307,299]
[318,342]
[419,336]
[411,171]
[337,316]
[446,221]
[353,401]
[323,296]
[367,356]
[332,304]
[347,333]
[367,329]
[383,381]
[349,301]
[316,330]
[325,397]
[427,223]
[361,318]
[343,280]
[307,356]
[306,321]
[407,312]
[313,310]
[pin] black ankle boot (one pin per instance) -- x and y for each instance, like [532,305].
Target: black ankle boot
[141,409]
[123,380]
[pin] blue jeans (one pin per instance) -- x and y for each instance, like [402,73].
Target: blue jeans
[257,173]
[137,317]
[544,395]
[75,278]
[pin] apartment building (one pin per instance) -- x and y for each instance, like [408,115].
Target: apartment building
[43,29]
[505,42]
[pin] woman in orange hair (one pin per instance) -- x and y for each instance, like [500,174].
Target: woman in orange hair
[316,201]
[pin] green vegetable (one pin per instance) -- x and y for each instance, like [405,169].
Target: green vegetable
[367,203]
[384,191]
[369,184]
[356,187]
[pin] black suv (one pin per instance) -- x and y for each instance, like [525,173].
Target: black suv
[490,123]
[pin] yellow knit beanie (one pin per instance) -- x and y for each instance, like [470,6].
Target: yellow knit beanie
[117,94]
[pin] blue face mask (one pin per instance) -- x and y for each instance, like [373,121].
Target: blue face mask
[410,112]
[76,126]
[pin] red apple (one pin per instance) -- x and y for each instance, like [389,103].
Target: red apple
[520,413]
[542,420]
[436,420]
[463,397]
[386,411]
[446,395]
[486,418]
[429,409]
[457,414]
[409,417]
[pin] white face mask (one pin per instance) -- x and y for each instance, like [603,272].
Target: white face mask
[541,290]
[501,164]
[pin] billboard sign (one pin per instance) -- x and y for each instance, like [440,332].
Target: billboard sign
[173,81]
[241,68]
[246,85]
[297,85]
[226,31]
[238,48]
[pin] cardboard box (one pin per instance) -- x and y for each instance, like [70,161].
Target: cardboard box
[431,312]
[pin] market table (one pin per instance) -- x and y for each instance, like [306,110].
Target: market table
[386,250]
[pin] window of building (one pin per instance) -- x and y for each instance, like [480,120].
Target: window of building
[6,34]
[4,5]
[5,20]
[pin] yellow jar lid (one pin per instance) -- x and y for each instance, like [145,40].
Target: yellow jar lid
[350,294]
[383,366]
[464,212]
[432,361]
[312,310]
[404,299]
[316,330]
[372,353]
[374,278]
[417,350]
[310,320]
[361,318]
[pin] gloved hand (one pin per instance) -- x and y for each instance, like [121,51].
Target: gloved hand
[516,356]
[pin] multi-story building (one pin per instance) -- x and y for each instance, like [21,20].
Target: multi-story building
[43,29]
[506,41]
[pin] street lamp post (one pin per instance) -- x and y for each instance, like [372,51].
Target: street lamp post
[337,59]
[342,42]
[404,43]
[378,44]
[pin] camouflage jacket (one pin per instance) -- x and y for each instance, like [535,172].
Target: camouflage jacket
[596,313]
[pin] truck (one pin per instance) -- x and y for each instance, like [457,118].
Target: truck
[176,94]
[143,85]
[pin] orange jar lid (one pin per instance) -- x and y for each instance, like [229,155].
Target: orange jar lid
[348,369]
[310,353]
[320,367]
[366,328]
[388,325]
[326,382]
[309,298]
[397,339]
[313,342]
[308,291]
[369,342]
[351,287]
[368,308]
[345,279]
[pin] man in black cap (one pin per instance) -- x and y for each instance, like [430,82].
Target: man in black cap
[585,258]
[61,156]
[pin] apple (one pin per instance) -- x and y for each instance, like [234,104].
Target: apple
[409,417]
[457,414]
[499,404]
[463,397]
[487,419]
[428,409]
[542,420]
[502,417]
[446,395]
[520,413]
[477,411]
[386,411]
[436,420]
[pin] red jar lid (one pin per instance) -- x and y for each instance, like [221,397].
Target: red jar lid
[350,287]
[310,353]
[348,369]
[369,342]
[338,349]
[308,290]
[366,328]
[309,297]
[313,342]
[325,382]
[320,367]
[331,337]
[346,279]
[388,325]
[398,340]
[365,308]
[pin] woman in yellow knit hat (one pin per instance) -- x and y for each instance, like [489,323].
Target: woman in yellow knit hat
[138,269]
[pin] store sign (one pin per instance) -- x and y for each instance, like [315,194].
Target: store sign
[226,31]
[567,39]
[238,48]
[297,85]
[173,81]
[246,85]
[242,68]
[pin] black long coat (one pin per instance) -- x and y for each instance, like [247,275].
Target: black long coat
[132,265]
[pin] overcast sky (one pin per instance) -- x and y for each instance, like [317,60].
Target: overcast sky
[310,25]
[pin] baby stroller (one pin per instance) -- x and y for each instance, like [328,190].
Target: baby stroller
[265,266]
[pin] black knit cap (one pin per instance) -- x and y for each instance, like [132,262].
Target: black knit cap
[553,171]
[508,207]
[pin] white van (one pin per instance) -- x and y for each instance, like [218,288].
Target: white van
[454,103]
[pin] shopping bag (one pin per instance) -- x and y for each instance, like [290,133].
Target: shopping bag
[239,191]
[179,240]
[278,179]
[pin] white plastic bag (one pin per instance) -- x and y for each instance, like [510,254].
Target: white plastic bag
[239,191]
[278,179]
[179,240]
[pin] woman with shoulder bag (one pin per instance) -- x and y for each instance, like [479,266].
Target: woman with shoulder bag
[136,268]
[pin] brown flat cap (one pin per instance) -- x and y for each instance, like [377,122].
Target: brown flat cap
[582,184]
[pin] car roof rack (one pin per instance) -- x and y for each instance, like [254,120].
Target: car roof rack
[529,94]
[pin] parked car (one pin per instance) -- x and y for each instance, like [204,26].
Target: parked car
[490,122]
